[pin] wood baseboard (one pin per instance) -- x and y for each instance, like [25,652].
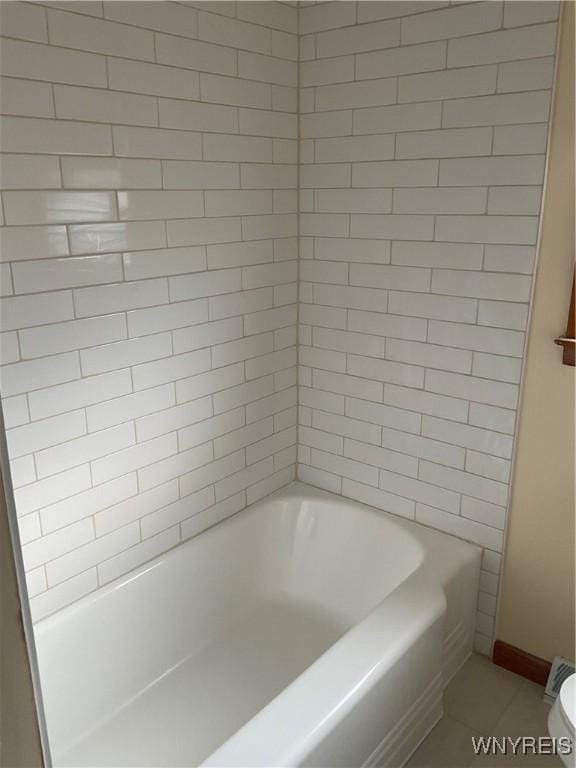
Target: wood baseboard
[522,663]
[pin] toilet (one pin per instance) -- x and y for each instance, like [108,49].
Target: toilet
[562,718]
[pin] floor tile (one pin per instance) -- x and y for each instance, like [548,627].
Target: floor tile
[448,745]
[479,694]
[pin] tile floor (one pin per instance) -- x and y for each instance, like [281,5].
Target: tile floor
[485,700]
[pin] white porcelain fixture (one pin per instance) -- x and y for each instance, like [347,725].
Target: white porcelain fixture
[305,630]
[562,718]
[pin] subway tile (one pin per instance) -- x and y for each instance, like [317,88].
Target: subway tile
[397,118]
[442,255]
[166,317]
[506,45]
[83,449]
[196,524]
[200,175]
[209,383]
[387,325]
[133,458]
[233,33]
[53,489]
[378,498]
[26,97]
[25,21]
[119,297]
[348,468]
[269,69]
[481,285]
[384,34]
[176,512]
[385,415]
[156,143]
[53,64]
[483,512]
[476,438]
[391,460]
[472,388]
[103,106]
[492,171]
[64,594]
[325,125]
[354,149]
[526,139]
[449,84]
[396,173]
[356,95]
[206,334]
[526,75]
[277,16]
[56,274]
[123,354]
[353,249]
[344,341]
[91,554]
[330,16]
[58,207]
[172,418]
[43,434]
[451,142]
[484,535]
[385,370]
[488,229]
[452,22]
[416,490]
[110,173]
[400,61]
[509,258]
[429,355]
[26,171]
[176,367]
[175,18]
[164,262]
[23,134]
[237,148]
[71,30]
[491,417]
[130,235]
[503,314]
[440,200]
[136,507]
[26,311]
[427,403]
[210,428]
[437,451]
[53,545]
[22,471]
[234,92]
[139,205]
[36,374]
[510,108]
[488,466]
[176,466]
[9,349]
[388,9]
[267,123]
[136,555]
[20,243]
[347,427]
[194,116]
[153,79]
[477,338]
[76,394]
[15,411]
[464,482]
[87,503]
[195,54]
[75,334]
[522,201]
[128,407]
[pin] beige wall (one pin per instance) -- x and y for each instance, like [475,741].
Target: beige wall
[19,740]
[536,610]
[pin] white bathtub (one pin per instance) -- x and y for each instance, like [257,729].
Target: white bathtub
[307,630]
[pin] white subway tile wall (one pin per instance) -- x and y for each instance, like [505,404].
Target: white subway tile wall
[422,147]
[149,268]
[153,231]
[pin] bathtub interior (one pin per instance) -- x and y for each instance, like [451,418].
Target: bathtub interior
[191,647]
